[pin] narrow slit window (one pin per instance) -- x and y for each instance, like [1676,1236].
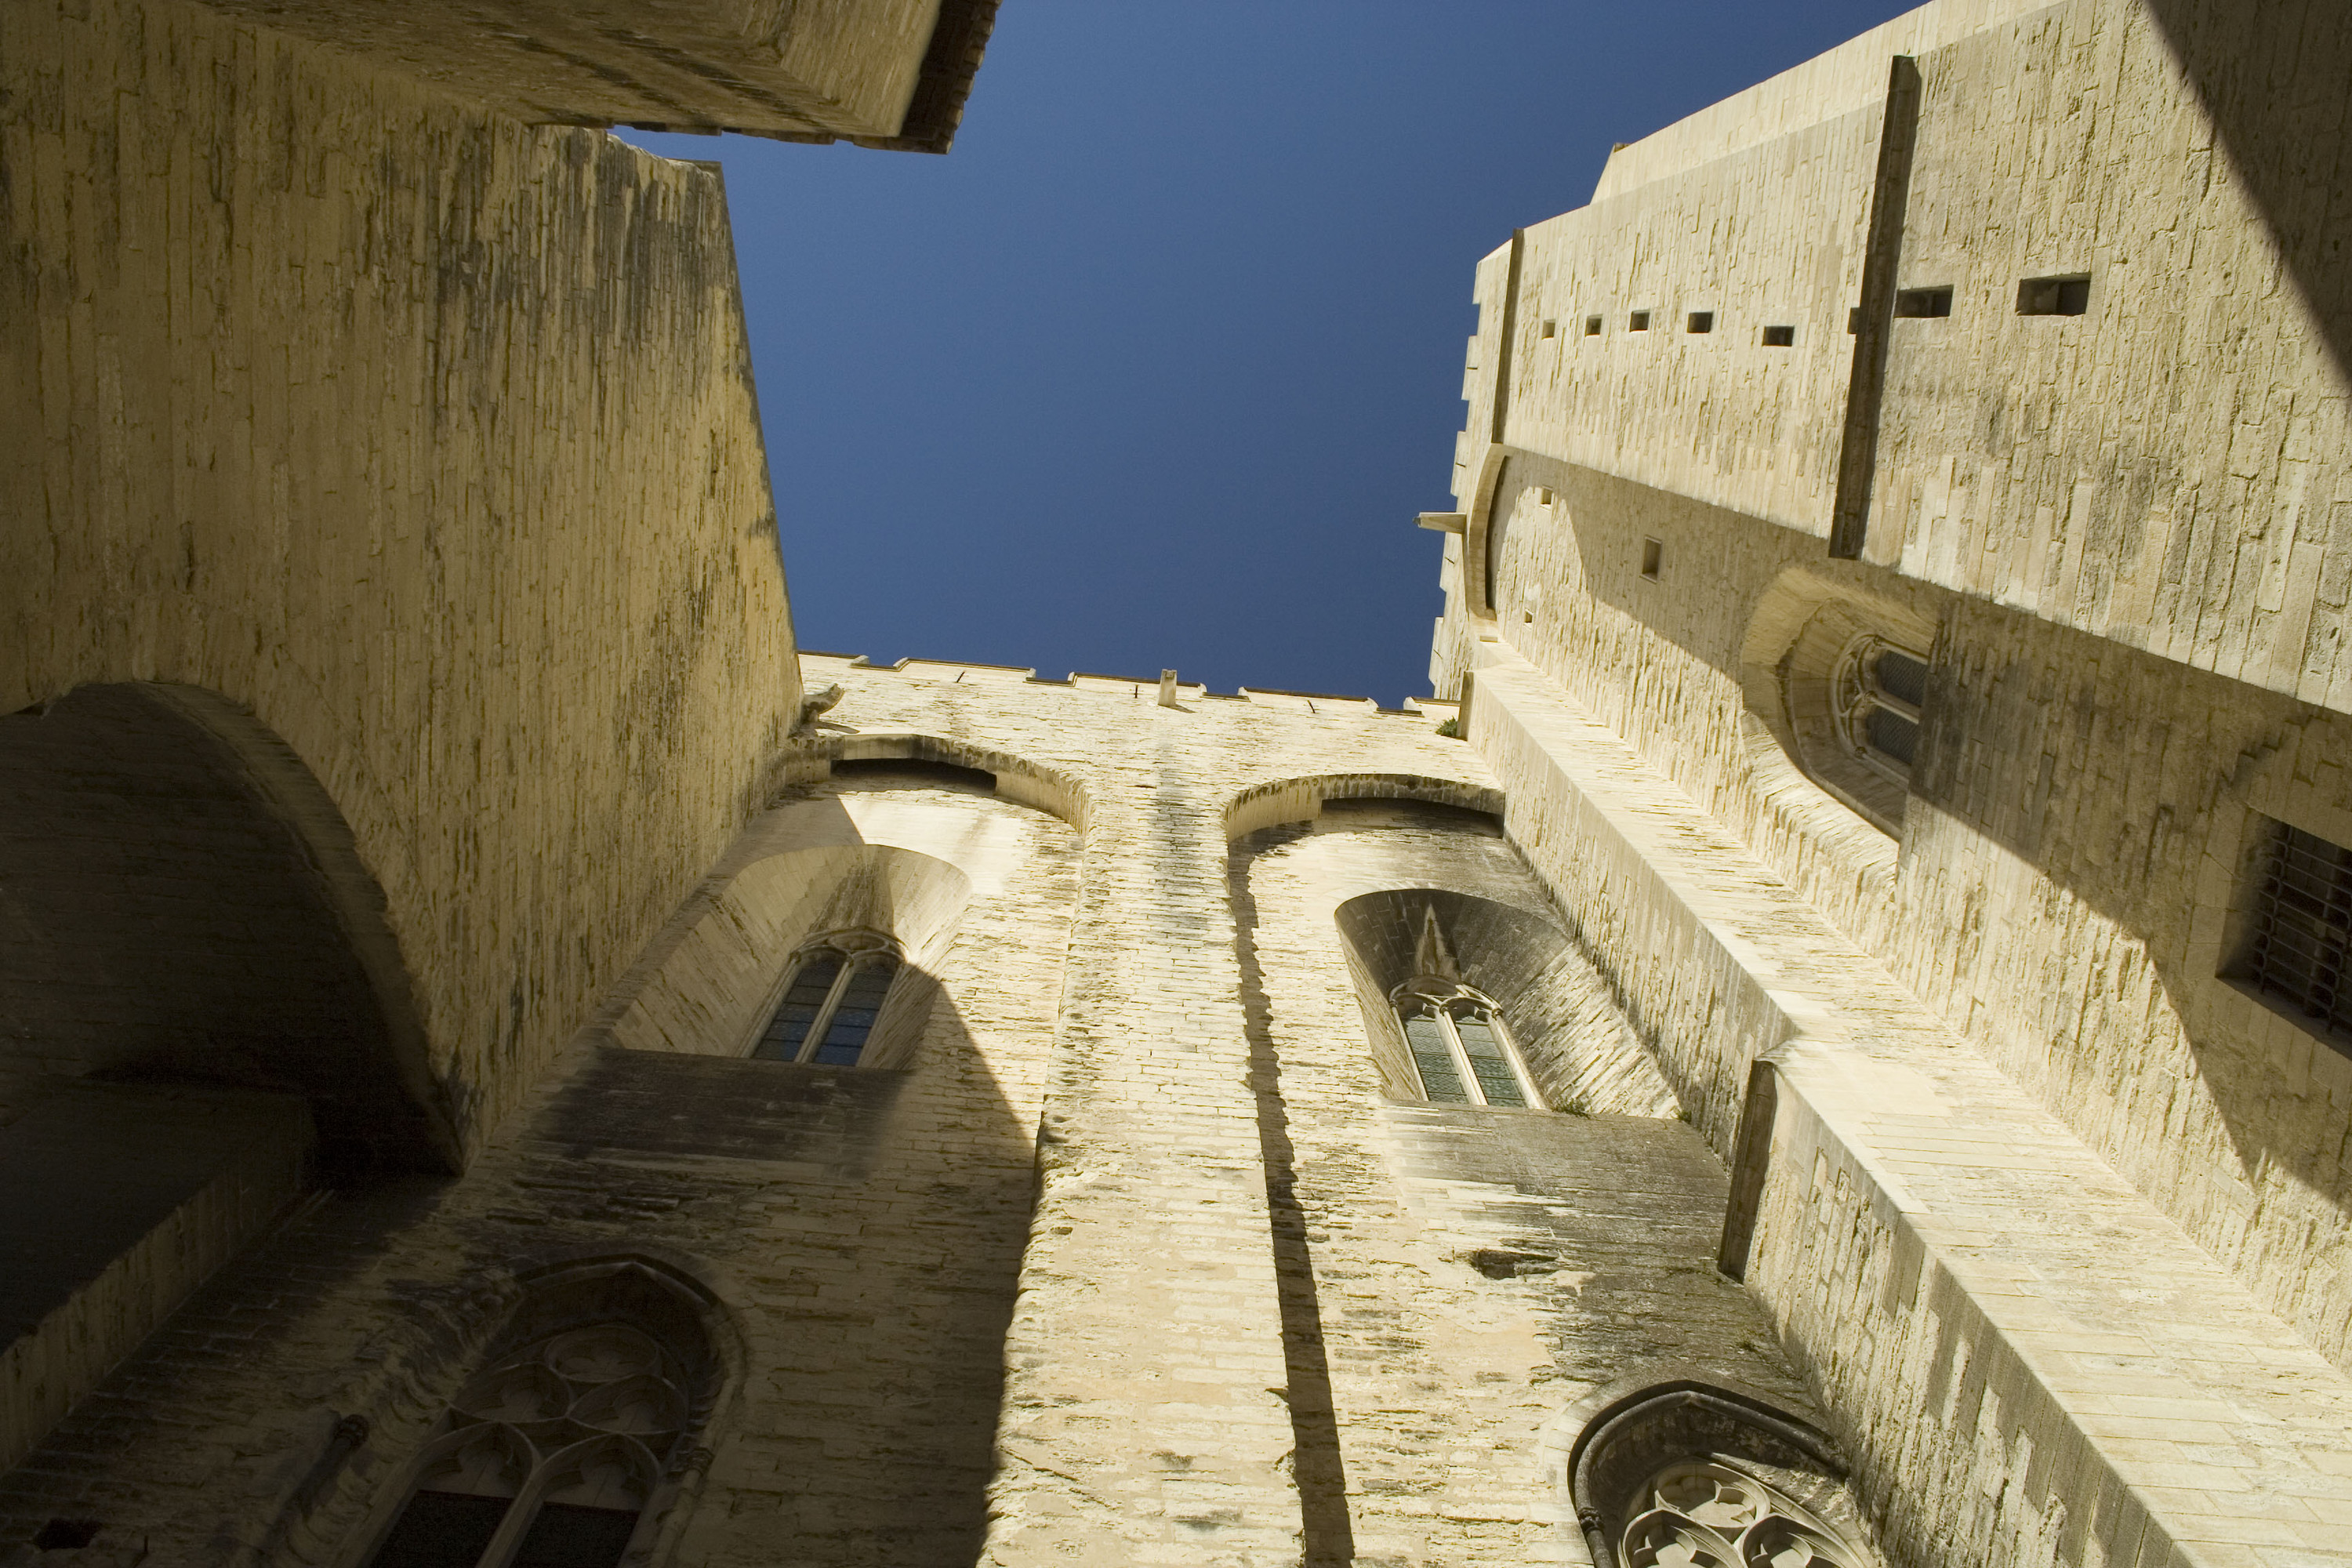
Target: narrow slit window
[836,990]
[1699,322]
[1490,1066]
[1923,302]
[1779,337]
[1432,1058]
[2054,296]
[1460,1052]
[2301,940]
[1653,556]
[853,1014]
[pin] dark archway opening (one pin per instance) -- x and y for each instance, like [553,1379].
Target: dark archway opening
[179,904]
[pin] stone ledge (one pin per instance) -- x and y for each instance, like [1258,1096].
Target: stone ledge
[1956,1271]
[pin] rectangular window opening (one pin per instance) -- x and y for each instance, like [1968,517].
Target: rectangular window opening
[1639,322]
[1923,302]
[1853,320]
[1551,329]
[2069,296]
[1779,337]
[1700,322]
[1653,551]
[1591,326]
[2301,936]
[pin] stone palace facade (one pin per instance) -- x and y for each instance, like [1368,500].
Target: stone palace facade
[1825,1043]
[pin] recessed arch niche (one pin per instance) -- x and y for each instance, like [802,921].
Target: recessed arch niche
[1576,1047]
[181,902]
[899,845]
[1691,1469]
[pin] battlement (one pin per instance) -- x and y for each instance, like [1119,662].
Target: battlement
[1134,687]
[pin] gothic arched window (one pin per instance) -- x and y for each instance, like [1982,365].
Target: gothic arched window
[548,1459]
[1458,1047]
[1704,1512]
[835,994]
[1878,690]
[1685,1475]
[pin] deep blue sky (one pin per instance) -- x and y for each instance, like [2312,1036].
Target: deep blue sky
[1156,367]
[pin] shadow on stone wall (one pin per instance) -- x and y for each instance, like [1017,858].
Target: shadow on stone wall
[180,903]
[1328,1537]
[2272,78]
[865,1227]
[2101,767]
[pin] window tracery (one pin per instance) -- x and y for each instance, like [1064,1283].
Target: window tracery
[835,994]
[1879,690]
[1459,1049]
[548,1459]
[1705,1513]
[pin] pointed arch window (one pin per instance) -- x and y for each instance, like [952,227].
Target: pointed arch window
[549,1458]
[834,994]
[1707,1511]
[1880,689]
[1460,1050]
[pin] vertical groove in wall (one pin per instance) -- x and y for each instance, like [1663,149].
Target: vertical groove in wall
[1858,452]
[1502,399]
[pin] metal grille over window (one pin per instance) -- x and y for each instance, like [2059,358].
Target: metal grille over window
[1709,1514]
[1880,693]
[1458,1047]
[2303,927]
[547,1460]
[831,1002]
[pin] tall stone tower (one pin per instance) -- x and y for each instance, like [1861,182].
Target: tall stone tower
[1821,1043]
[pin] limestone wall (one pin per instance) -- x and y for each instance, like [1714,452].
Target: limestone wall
[428,435]
[2133,615]
[890,73]
[1461,1277]
[858,1233]
[2165,470]
[2077,839]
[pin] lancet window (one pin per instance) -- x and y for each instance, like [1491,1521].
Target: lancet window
[1878,692]
[1705,1513]
[1460,1050]
[548,1459]
[835,994]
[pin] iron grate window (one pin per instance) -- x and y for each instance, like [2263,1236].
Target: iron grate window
[2303,927]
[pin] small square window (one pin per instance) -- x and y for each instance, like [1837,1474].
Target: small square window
[1699,322]
[1543,496]
[1779,337]
[1551,329]
[2299,945]
[2054,296]
[1639,322]
[1923,302]
[1591,326]
[1653,552]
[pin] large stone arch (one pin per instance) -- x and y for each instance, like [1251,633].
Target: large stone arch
[1015,778]
[182,903]
[1301,799]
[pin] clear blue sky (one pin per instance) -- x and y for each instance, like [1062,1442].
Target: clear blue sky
[1156,367]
